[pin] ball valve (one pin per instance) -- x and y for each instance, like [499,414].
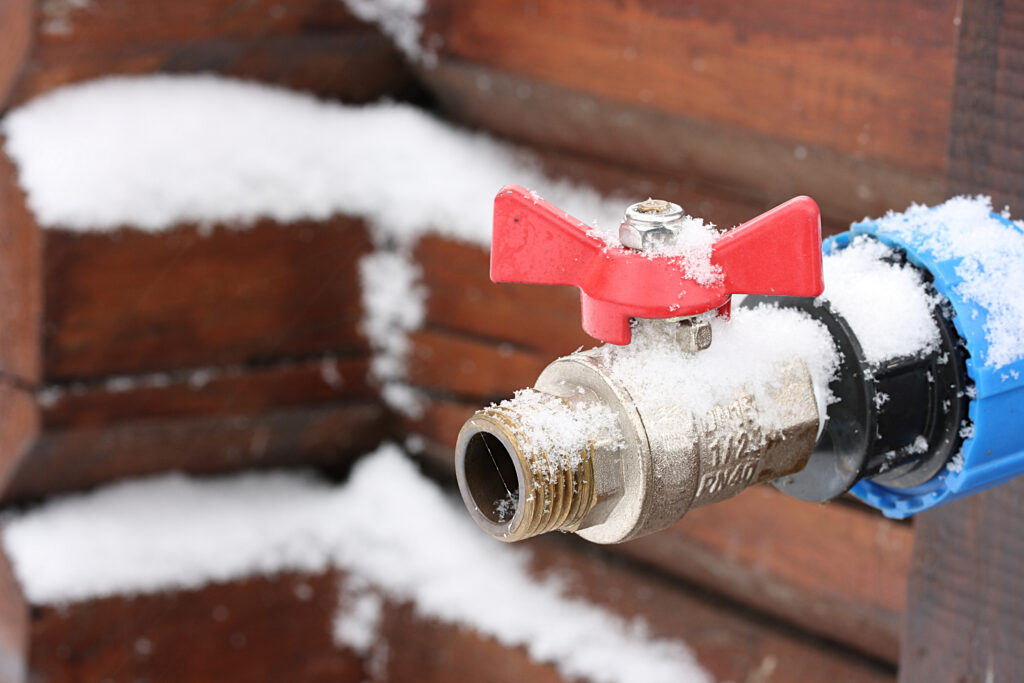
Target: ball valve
[683,406]
[595,447]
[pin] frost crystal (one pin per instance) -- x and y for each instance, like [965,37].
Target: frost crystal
[556,434]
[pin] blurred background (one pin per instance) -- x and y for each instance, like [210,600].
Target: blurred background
[208,276]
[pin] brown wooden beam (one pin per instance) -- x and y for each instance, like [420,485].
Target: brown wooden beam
[311,45]
[130,301]
[965,607]
[14,626]
[329,435]
[848,102]
[20,281]
[986,154]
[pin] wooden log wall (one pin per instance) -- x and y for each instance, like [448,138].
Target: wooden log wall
[212,634]
[313,45]
[849,102]
[129,353]
[765,596]
[180,350]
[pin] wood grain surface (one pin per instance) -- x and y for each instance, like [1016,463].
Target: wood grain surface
[311,45]
[328,436]
[131,302]
[849,102]
[20,281]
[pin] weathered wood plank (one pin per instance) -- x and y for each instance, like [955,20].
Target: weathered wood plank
[734,645]
[207,392]
[19,427]
[310,44]
[15,42]
[965,607]
[327,435]
[439,425]
[835,570]
[718,205]
[461,297]
[20,281]
[464,366]
[985,153]
[259,629]
[135,302]
[848,102]
[14,625]
[820,75]
[748,166]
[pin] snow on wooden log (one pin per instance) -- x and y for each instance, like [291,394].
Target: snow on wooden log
[270,593]
[287,619]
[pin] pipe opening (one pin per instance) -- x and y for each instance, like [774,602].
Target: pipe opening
[491,477]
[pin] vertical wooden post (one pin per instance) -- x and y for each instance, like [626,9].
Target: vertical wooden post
[965,601]
[965,598]
[20,322]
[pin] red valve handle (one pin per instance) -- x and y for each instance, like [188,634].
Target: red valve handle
[534,242]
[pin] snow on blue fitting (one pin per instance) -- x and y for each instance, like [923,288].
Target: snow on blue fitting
[994,451]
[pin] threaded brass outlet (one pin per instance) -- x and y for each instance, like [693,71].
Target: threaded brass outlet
[512,490]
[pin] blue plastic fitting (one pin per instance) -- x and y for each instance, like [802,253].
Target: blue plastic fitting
[993,452]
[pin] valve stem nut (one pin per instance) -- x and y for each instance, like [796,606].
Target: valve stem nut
[650,224]
[695,334]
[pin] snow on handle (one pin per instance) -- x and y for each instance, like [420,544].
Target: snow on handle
[173,532]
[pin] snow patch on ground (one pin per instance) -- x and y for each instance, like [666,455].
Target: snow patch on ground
[885,303]
[394,304]
[388,527]
[156,151]
[991,257]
